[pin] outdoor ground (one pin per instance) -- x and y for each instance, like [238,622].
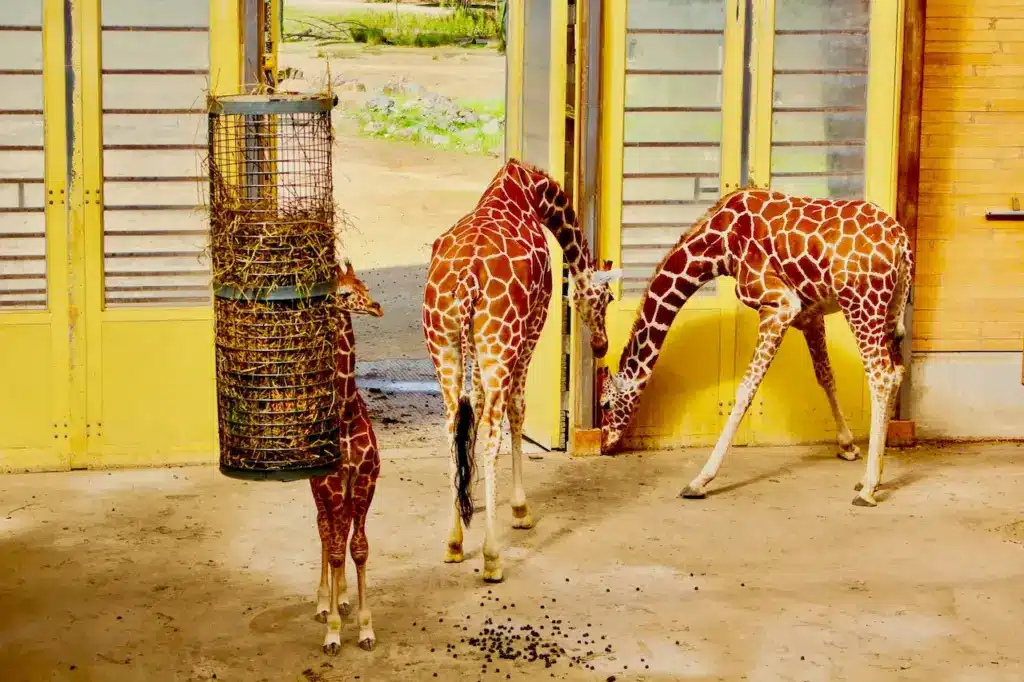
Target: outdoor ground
[183,574]
[399,196]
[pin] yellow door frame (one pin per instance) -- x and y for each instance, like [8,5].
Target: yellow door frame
[544,423]
[50,368]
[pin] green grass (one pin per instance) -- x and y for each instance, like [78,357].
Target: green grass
[412,121]
[460,27]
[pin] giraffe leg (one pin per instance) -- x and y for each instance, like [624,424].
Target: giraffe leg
[774,322]
[495,386]
[336,557]
[360,549]
[451,389]
[814,335]
[884,381]
[521,517]
[323,524]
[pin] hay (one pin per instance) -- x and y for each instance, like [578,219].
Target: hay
[272,226]
[275,379]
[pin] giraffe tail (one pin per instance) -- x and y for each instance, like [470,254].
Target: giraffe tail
[464,460]
[901,296]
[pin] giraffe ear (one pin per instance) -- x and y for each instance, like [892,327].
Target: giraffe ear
[607,276]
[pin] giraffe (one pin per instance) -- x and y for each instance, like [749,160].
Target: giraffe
[485,301]
[343,497]
[795,260]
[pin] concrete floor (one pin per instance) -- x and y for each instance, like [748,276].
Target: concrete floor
[183,574]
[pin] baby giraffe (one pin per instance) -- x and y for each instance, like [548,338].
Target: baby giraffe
[343,497]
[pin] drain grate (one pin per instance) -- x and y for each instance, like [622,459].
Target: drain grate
[398,376]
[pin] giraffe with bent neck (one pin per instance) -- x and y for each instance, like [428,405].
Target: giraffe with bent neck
[795,260]
[343,497]
[486,299]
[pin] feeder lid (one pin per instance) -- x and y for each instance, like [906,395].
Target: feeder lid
[278,103]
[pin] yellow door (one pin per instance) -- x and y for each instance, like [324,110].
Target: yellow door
[35,387]
[675,71]
[535,132]
[146,70]
[690,132]
[823,125]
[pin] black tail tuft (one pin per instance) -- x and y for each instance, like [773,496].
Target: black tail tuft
[464,460]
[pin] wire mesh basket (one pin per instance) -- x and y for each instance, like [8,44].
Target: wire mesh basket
[272,244]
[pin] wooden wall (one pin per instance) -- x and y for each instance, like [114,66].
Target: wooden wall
[970,276]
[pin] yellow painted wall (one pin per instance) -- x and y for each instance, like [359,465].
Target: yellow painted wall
[969,286]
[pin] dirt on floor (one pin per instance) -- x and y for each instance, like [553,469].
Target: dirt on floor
[183,574]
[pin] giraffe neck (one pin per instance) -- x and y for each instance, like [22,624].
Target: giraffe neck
[698,258]
[526,189]
[554,209]
[345,359]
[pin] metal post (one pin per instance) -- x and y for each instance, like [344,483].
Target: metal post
[589,27]
[252,44]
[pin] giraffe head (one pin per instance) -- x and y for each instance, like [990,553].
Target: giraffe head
[591,295]
[619,397]
[352,294]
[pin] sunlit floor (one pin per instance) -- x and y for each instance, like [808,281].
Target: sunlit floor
[183,574]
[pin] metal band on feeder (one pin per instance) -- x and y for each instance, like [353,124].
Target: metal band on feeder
[272,239]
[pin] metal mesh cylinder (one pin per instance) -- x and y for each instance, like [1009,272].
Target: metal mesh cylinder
[272,239]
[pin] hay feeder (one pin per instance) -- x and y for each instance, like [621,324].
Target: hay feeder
[272,245]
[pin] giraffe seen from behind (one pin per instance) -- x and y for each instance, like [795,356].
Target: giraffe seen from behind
[795,260]
[485,301]
[343,497]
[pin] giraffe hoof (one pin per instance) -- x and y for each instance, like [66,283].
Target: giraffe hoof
[367,644]
[453,556]
[524,523]
[849,454]
[332,649]
[321,616]
[494,575]
[344,608]
[864,501]
[691,493]
[521,517]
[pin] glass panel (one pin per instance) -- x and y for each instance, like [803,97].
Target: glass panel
[22,51]
[662,90]
[143,13]
[155,50]
[673,128]
[21,92]
[122,129]
[675,51]
[704,161]
[152,163]
[820,97]
[22,261]
[803,15]
[155,257]
[537,83]
[21,13]
[22,192]
[155,92]
[154,170]
[676,14]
